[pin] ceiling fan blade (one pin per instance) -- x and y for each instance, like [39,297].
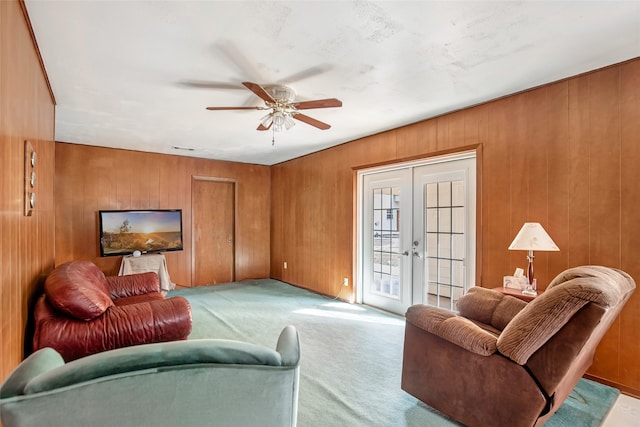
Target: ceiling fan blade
[319,103]
[305,74]
[202,84]
[262,127]
[232,54]
[259,91]
[235,108]
[311,121]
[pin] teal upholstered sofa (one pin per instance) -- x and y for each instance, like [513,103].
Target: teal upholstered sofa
[207,382]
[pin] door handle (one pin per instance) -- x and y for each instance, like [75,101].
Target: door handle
[405,253]
[416,254]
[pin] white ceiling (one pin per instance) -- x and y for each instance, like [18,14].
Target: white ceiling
[139,74]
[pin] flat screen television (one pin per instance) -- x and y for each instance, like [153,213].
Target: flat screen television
[122,232]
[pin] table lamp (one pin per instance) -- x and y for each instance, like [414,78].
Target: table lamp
[532,237]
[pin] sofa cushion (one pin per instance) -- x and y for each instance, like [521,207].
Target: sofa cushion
[79,289]
[453,328]
[489,307]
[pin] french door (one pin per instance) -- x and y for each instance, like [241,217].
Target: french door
[417,234]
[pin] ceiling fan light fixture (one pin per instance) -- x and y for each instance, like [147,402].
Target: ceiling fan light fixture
[281,121]
[267,120]
[278,121]
[289,122]
[281,93]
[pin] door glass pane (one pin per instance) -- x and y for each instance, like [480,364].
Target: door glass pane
[457,220]
[432,264]
[457,193]
[431,195]
[458,273]
[432,244]
[444,193]
[445,243]
[386,242]
[457,246]
[377,198]
[432,220]
[444,217]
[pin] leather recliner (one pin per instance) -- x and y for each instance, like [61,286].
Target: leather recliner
[501,361]
[83,312]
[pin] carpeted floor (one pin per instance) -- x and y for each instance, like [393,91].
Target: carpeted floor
[351,355]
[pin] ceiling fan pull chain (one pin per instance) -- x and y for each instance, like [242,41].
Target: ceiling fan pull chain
[273,137]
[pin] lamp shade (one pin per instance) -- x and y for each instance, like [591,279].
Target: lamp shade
[533,237]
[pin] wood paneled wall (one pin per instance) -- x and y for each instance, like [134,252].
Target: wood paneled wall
[565,155]
[26,242]
[92,178]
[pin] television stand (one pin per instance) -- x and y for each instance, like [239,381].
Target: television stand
[145,263]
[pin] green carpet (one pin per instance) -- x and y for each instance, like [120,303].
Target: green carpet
[351,355]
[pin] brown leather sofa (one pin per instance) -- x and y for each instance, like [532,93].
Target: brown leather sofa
[503,362]
[83,312]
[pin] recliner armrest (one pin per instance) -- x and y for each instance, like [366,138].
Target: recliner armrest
[453,328]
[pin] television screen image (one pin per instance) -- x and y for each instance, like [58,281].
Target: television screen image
[123,232]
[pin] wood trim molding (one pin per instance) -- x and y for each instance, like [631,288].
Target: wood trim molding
[421,158]
[23,6]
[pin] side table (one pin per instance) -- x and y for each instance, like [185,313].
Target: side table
[146,263]
[514,293]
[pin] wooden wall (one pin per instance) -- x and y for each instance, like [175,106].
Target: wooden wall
[26,242]
[92,178]
[565,155]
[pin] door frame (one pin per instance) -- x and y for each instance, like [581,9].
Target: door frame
[465,153]
[235,220]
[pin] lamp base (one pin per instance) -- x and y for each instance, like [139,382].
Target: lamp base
[529,291]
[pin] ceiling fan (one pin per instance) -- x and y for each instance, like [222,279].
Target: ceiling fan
[280,100]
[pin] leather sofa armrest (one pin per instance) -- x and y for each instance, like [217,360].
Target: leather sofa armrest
[120,326]
[133,284]
[453,328]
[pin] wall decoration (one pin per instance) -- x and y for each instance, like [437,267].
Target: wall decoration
[29,178]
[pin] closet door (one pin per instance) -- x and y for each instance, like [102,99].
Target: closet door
[213,210]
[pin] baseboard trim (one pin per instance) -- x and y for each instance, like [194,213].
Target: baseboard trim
[630,391]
